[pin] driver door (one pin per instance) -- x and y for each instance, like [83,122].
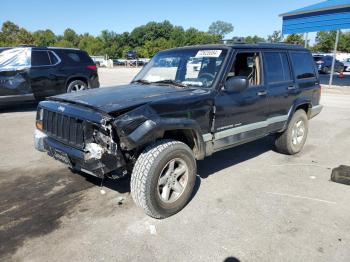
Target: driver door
[241,116]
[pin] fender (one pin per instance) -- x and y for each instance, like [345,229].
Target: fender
[152,129]
[299,102]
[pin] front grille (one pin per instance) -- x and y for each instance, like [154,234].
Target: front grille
[66,129]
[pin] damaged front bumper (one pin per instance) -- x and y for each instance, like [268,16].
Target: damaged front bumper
[94,160]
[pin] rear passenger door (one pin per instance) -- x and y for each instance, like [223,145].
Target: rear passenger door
[305,74]
[42,73]
[282,89]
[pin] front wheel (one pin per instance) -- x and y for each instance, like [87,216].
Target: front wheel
[163,178]
[292,140]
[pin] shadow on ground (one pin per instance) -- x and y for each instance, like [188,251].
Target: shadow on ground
[234,156]
[33,204]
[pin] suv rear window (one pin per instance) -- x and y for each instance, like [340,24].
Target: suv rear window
[277,66]
[78,57]
[40,58]
[304,66]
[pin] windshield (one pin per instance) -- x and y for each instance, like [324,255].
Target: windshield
[185,67]
[15,59]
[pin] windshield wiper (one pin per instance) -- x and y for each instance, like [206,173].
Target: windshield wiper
[141,81]
[169,82]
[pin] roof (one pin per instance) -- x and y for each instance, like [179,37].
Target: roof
[327,15]
[41,47]
[323,6]
[244,46]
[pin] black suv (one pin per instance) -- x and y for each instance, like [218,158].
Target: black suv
[176,111]
[131,55]
[32,73]
[324,64]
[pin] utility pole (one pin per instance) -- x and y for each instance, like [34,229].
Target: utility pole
[334,57]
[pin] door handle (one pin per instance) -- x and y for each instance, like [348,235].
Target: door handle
[292,87]
[262,93]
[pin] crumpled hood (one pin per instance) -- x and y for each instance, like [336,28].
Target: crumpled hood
[112,99]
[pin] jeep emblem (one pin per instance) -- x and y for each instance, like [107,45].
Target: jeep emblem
[61,108]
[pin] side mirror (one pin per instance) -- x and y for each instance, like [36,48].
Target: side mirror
[236,84]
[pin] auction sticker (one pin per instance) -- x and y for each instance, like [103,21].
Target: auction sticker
[208,53]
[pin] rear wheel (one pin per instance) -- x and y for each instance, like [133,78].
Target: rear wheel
[292,140]
[163,178]
[76,85]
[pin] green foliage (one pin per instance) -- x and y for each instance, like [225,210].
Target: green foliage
[275,37]
[44,38]
[11,34]
[295,38]
[254,39]
[220,28]
[325,41]
[146,39]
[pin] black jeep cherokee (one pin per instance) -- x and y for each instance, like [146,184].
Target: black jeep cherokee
[177,111]
[30,73]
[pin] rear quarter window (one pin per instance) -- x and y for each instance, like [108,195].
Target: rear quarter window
[303,64]
[78,57]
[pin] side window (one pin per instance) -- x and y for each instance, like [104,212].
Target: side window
[40,58]
[53,58]
[74,57]
[303,65]
[78,57]
[248,65]
[277,67]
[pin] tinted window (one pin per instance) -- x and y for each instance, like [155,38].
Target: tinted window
[303,65]
[277,67]
[40,58]
[53,58]
[79,57]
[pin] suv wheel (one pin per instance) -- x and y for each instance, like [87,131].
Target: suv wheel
[76,85]
[163,178]
[292,140]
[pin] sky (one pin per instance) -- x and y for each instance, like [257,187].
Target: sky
[249,17]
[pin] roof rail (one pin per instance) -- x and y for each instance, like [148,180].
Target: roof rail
[235,40]
[27,45]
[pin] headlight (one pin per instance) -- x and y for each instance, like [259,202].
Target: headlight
[39,119]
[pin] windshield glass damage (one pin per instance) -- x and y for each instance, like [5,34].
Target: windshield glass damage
[183,67]
[15,59]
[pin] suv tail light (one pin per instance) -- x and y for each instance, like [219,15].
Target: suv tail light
[91,67]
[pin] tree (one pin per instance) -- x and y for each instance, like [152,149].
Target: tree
[70,36]
[220,28]
[254,39]
[295,39]
[275,37]
[12,35]
[44,38]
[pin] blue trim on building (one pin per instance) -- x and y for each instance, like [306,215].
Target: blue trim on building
[334,19]
[330,5]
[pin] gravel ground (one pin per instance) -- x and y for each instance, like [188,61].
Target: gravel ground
[250,203]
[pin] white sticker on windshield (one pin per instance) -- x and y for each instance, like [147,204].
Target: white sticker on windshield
[208,53]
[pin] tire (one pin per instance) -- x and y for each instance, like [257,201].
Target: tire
[152,183]
[76,85]
[292,140]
